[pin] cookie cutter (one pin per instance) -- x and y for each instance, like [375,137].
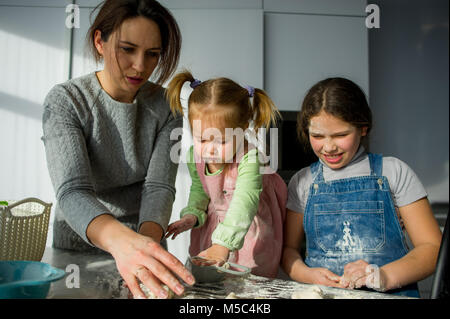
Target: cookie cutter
[214,273]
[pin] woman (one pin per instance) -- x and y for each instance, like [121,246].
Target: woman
[107,142]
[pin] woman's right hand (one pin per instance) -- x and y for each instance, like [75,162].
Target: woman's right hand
[142,259]
[185,223]
[139,258]
[323,276]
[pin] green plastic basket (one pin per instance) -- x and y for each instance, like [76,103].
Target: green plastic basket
[23,229]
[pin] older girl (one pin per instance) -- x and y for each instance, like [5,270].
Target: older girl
[353,206]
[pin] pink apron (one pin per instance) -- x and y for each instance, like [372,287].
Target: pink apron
[263,242]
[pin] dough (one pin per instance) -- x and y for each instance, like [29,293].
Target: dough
[313,292]
[150,295]
[231,295]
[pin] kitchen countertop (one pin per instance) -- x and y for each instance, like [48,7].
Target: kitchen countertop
[88,275]
[95,276]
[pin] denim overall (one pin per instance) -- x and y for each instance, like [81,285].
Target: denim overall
[353,218]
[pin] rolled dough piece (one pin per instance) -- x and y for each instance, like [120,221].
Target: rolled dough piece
[150,295]
[231,295]
[313,292]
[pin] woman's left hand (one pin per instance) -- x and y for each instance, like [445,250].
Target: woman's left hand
[360,273]
[217,253]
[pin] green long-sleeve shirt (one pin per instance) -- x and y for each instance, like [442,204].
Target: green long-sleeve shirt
[243,206]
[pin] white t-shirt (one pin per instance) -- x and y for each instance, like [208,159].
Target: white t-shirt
[405,186]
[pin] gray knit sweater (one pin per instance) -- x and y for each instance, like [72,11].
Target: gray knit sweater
[109,157]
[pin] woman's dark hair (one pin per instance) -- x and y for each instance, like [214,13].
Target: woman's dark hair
[111,15]
[339,97]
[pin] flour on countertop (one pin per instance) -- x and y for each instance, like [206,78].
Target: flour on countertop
[313,292]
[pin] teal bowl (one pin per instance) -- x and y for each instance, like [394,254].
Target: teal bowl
[27,279]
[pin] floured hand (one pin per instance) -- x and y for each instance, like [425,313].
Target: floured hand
[216,253]
[360,273]
[323,276]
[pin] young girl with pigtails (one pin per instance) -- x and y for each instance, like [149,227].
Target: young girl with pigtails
[235,211]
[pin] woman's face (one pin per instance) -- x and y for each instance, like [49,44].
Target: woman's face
[333,140]
[130,55]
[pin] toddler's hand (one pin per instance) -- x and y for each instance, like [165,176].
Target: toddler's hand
[360,273]
[187,222]
[323,276]
[216,253]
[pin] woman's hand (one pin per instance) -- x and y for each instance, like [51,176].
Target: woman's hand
[139,257]
[360,273]
[216,253]
[323,276]
[185,223]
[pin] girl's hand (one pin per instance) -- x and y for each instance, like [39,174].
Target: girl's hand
[187,222]
[217,253]
[360,273]
[323,276]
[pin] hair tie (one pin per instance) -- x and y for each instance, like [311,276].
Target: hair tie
[195,83]
[251,90]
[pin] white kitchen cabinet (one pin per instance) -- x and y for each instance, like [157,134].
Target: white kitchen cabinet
[190,4]
[321,7]
[34,3]
[311,44]
[220,43]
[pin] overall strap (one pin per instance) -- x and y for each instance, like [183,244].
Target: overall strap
[317,171]
[376,164]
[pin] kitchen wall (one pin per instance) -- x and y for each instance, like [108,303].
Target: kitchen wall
[34,56]
[409,73]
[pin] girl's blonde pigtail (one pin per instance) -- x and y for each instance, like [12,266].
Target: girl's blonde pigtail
[174,90]
[266,113]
